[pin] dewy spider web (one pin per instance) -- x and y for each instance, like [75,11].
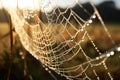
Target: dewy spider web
[60,41]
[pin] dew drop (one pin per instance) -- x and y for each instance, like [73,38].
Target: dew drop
[108,55]
[94,16]
[112,53]
[90,21]
[118,49]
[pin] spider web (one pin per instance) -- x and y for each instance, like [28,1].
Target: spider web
[64,41]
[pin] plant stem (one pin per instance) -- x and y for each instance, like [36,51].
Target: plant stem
[11,48]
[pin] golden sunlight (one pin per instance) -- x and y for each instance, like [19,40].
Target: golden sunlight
[30,4]
[9,3]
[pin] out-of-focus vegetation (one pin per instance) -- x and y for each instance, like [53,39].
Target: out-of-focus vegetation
[25,67]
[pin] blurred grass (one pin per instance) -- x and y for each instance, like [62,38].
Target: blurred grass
[35,70]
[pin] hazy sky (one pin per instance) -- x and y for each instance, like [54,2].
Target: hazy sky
[44,4]
[70,3]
